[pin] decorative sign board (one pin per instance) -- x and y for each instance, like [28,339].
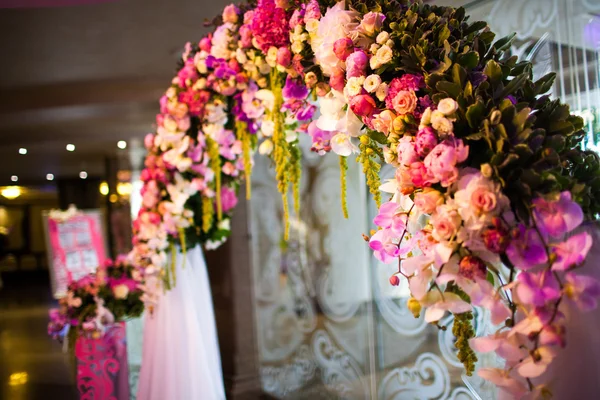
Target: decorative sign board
[75,242]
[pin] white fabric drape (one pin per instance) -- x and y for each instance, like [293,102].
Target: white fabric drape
[181,358]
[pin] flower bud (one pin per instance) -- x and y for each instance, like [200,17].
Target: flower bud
[414,306]
[495,117]
[487,170]
[394,280]
[472,267]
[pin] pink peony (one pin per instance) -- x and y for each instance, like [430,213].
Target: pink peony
[362,105]
[444,158]
[407,152]
[205,44]
[405,102]
[343,48]
[356,64]
[425,141]
[313,10]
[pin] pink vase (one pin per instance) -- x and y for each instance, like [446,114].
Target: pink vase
[102,372]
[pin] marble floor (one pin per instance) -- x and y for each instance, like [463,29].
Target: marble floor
[32,366]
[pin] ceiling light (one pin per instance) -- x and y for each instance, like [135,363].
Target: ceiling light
[70,147]
[14,178]
[11,192]
[23,151]
[122,144]
[104,188]
[49,177]
[83,175]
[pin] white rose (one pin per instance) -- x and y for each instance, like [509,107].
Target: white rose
[297,47]
[225,224]
[312,25]
[425,118]
[265,147]
[383,56]
[383,37]
[382,92]
[373,49]
[120,291]
[271,58]
[372,83]
[447,106]
[354,85]
[267,128]
[442,125]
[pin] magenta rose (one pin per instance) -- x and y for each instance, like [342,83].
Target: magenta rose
[362,105]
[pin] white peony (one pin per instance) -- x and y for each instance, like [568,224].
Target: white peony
[337,23]
[372,83]
[354,86]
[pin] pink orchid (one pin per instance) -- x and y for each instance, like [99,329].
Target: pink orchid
[537,362]
[582,290]
[438,303]
[509,348]
[391,216]
[503,380]
[537,289]
[383,247]
[557,217]
[526,250]
[483,294]
[572,252]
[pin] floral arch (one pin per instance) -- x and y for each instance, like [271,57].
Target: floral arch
[490,181]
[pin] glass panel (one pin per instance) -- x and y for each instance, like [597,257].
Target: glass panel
[313,310]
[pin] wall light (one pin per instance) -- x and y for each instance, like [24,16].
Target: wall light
[70,147]
[14,178]
[11,192]
[104,188]
[23,151]
[49,177]
[124,188]
[122,144]
[83,175]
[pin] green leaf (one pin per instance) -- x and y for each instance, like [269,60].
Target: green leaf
[443,35]
[432,80]
[504,43]
[474,136]
[561,128]
[493,71]
[544,84]
[468,60]
[459,75]
[475,114]
[452,89]
[474,27]
[514,85]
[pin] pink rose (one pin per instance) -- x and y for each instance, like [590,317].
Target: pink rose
[230,13]
[444,158]
[382,122]
[483,199]
[149,141]
[343,48]
[337,81]
[405,102]
[248,17]
[284,56]
[371,22]
[446,222]
[296,18]
[362,105]
[356,64]
[425,141]
[428,200]
[407,154]
[205,44]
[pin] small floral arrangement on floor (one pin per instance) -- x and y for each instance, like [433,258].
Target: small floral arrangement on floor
[96,301]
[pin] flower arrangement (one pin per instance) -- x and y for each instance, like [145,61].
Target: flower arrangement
[98,300]
[491,182]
